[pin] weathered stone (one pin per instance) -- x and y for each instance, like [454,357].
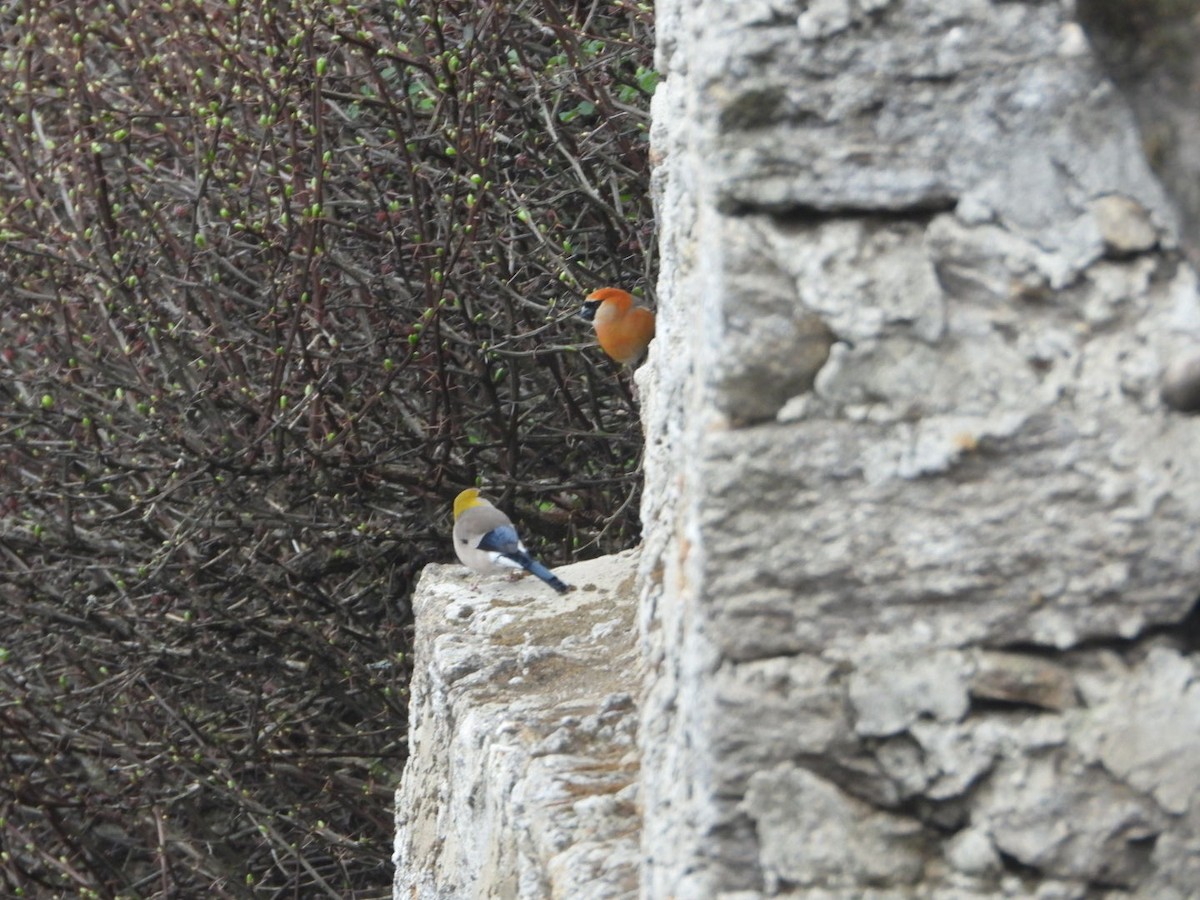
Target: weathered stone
[891,694]
[1181,384]
[924,522]
[846,843]
[1018,678]
[1124,225]
[1068,821]
[972,851]
[1144,728]
[772,709]
[866,103]
[521,781]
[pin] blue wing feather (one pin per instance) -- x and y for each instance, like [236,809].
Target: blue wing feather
[502,539]
[531,565]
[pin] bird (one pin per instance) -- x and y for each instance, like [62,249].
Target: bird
[486,541]
[624,330]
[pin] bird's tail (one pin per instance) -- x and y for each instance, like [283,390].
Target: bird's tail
[531,565]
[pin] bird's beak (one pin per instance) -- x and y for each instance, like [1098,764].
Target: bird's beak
[587,312]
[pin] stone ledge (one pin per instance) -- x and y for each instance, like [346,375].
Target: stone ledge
[522,775]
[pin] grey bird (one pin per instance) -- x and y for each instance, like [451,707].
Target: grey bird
[486,541]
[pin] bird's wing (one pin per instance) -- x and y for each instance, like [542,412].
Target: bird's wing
[501,539]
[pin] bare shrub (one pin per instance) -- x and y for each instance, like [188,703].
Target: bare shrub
[279,279]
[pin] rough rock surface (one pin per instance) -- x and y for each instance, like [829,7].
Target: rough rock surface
[920,531]
[522,775]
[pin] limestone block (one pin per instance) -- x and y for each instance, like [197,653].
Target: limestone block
[909,464]
[1124,225]
[1181,384]
[899,104]
[1022,679]
[890,695]
[1143,726]
[777,708]
[846,842]
[1069,821]
[522,776]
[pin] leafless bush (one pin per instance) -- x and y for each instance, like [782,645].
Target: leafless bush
[279,279]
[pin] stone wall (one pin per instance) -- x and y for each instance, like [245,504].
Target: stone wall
[928,538]
[916,600]
[522,776]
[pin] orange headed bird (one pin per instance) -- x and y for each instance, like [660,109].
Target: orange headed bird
[624,330]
